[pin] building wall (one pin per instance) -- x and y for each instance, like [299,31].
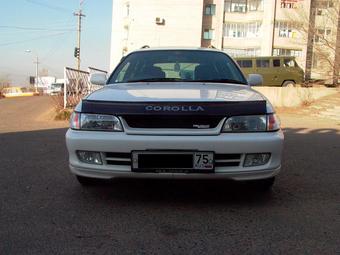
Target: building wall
[214,22]
[271,29]
[134,25]
[298,39]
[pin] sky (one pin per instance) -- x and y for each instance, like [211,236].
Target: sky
[48,29]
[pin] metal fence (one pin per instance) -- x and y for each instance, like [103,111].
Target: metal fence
[77,85]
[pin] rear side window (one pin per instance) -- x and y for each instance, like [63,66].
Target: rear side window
[262,63]
[245,63]
[276,63]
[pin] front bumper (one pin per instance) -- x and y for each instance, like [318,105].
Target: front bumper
[119,142]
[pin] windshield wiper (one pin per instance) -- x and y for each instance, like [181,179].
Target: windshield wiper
[221,81]
[156,80]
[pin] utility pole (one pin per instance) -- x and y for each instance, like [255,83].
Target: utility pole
[36,83]
[36,73]
[274,21]
[79,14]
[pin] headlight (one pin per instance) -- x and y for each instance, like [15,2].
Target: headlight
[255,123]
[95,122]
[252,123]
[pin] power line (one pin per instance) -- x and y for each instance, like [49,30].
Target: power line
[38,29]
[55,48]
[32,39]
[52,7]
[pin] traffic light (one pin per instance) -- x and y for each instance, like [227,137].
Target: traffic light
[76,52]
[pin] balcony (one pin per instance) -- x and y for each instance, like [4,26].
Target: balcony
[245,42]
[243,16]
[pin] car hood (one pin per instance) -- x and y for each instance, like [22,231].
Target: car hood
[175,91]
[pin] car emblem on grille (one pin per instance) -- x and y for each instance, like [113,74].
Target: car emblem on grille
[174,108]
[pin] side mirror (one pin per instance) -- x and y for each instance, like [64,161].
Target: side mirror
[98,79]
[255,79]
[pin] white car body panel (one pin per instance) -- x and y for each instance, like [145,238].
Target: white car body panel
[175,139]
[175,91]
[223,143]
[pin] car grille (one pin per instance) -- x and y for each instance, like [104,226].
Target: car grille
[225,160]
[121,159]
[161,121]
[124,159]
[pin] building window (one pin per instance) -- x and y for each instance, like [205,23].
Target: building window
[288,4]
[210,9]
[243,5]
[321,34]
[250,52]
[242,30]
[287,52]
[287,29]
[236,5]
[264,63]
[276,63]
[255,5]
[324,4]
[208,34]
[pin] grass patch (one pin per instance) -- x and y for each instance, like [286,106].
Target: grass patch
[64,114]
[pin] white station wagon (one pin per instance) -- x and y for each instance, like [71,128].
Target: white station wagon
[175,113]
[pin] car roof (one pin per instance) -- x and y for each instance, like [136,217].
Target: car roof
[264,57]
[177,48]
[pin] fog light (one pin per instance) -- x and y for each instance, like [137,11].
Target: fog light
[90,157]
[257,159]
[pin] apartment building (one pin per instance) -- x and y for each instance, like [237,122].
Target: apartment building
[306,29]
[155,23]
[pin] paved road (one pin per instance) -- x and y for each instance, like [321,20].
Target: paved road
[43,210]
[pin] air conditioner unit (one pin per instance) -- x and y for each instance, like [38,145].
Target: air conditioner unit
[160,21]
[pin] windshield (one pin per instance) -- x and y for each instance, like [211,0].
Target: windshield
[177,65]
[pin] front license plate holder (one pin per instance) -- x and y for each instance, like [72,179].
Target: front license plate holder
[173,161]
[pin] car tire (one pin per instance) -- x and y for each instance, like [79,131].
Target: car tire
[289,84]
[87,181]
[263,185]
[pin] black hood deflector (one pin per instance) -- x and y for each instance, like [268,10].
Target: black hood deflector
[228,108]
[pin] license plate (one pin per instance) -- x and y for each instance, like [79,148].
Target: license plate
[172,161]
[203,160]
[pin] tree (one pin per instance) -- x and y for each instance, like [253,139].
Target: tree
[320,29]
[5,81]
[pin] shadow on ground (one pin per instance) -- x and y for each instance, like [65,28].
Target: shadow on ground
[45,211]
[29,155]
